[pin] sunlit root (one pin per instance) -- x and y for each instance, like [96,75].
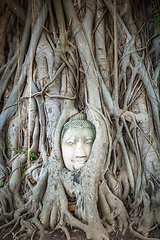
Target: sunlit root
[43,234]
[105,210]
[44,60]
[48,216]
[16,167]
[53,204]
[38,191]
[28,116]
[53,216]
[117,207]
[52,115]
[6,197]
[12,136]
[13,185]
[101,56]
[114,184]
[35,169]
[92,232]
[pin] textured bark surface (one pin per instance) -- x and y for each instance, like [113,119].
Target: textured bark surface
[61,57]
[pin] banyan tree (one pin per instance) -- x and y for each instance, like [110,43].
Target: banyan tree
[80,73]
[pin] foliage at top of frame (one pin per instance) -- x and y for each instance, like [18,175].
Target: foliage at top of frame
[156,12]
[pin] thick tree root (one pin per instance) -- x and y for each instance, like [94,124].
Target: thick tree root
[93,231]
[117,207]
[64,229]
[136,234]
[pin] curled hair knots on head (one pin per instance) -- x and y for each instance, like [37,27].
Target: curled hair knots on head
[78,120]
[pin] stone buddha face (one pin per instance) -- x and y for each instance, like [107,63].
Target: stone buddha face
[77,138]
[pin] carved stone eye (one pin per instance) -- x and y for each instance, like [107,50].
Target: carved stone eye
[88,141]
[71,142]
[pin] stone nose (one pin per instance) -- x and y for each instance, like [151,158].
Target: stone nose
[79,150]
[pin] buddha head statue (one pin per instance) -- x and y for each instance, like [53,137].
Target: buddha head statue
[77,138]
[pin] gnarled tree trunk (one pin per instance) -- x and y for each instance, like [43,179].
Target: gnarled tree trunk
[61,57]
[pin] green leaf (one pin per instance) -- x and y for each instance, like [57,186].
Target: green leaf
[26,152]
[2,184]
[32,155]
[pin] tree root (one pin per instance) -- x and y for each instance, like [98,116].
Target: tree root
[39,225]
[5,217]
[92,230]
[117,207]
[24,225]
[17,220]
[64,229]
[106,211]
[33,234]
[5,199]
[147,219]
[136,234]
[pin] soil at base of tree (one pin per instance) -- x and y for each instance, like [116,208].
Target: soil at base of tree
[76,234]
